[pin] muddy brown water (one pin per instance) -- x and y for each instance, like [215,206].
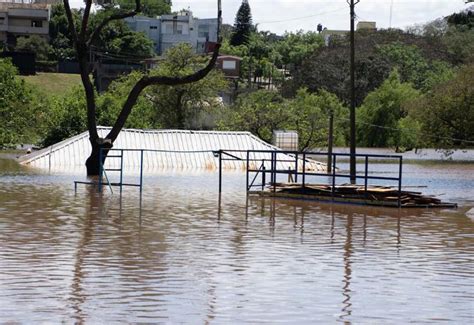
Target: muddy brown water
[181,254]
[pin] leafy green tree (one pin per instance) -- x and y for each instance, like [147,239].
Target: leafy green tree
[243,25]
[310,113]
[446,114]
[263,112]
[67,113]
[180,106]
[21,117]
[115,38]
[295,47]
[329,69]
[131,44]
[438,72]
[379,116]
[110,103]
[260,112]
[59,33]
[459,41]
[409,61]
[118,39]
[150,8]
[66,118]
[377,53]
[34,44]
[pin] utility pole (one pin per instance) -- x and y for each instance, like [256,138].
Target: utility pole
[352,117]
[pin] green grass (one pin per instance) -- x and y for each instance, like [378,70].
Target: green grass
[53,83]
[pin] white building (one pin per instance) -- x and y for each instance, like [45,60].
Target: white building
[169,30]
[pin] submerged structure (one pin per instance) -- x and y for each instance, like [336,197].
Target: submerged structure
[162,149]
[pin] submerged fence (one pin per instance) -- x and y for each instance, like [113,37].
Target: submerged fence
[268,170]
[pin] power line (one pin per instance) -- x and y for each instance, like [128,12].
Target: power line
[303,17]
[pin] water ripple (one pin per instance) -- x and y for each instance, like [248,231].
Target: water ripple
[179,254]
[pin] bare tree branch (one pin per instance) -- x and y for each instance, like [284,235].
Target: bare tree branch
[167,81]
[84,67]
[85,20]
[112,17]
[72,26]
[158,80]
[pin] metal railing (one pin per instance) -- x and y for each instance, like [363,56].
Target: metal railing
[299,162]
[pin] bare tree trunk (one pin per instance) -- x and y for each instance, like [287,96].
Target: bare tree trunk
[95,159]
[180,117]
[82,41]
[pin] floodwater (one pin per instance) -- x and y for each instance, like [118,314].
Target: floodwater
[182,254]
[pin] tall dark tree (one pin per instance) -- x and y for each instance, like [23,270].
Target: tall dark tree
[83,38]
[243,25]
[465,18]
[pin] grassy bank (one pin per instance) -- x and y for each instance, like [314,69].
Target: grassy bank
[53,83]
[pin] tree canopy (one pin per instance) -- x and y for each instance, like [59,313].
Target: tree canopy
[116,38]
[264,111]
[19,114]
[150,8]
[379,116]
[34,44]
[446,113]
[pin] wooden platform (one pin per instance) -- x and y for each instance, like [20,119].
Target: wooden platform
[354,194]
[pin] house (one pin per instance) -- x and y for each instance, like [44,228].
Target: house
[168,30]
[23,19]
[327,34]
[229,65]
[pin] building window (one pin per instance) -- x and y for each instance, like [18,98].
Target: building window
[229,65]
[153,27]
[203,31]
[2,20]
[168,29]
[36,23]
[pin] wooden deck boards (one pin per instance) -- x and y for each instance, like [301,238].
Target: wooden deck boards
[354,194]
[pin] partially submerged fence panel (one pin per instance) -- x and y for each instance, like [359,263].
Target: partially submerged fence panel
[265,171]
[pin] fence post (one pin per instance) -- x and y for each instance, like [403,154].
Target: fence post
[121,169]
[101,170]
[247,160]
[333,176]
[220,171]
[263,174]
[274,164]
[366,174]
[296,168]
[304,168]
[400,182]
[141,170]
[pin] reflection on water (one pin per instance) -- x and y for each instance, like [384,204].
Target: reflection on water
[183,254]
